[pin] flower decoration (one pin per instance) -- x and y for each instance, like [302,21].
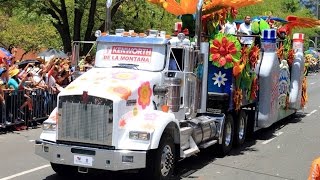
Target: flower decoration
[177,8]
[254,89]
[254,56]
[239,66]
[124,76]
[290,57]
[219,79]
[70,88]
[225,49]
[223,13]
[144,93]
[280,52]
[237,98]
[304,98]
[121,91]
[215,5]
[233,13]
[135,111]
[122,123]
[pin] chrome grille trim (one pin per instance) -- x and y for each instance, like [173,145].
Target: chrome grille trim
[85,122]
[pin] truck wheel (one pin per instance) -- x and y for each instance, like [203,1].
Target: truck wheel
[63,170]
[160,163]
[227,136]
[241,128]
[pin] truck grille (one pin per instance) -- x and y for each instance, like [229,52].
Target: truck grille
[85,122]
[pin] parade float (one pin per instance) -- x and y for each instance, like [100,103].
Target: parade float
[153,99]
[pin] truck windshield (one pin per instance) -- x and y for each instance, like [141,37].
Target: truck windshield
[147,57]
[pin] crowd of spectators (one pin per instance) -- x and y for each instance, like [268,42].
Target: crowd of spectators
[21,83]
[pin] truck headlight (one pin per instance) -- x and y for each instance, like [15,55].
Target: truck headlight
[136,135]
[49,126]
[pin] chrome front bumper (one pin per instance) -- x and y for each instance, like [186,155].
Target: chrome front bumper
[113,160]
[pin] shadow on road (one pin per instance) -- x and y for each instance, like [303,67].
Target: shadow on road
[268,133]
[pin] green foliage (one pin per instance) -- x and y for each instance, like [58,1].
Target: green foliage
[280,8]
[26,29]
[139,15]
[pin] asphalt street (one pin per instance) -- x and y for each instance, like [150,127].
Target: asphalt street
[283,151]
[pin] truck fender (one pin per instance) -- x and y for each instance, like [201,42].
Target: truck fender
[170,126]
[153,121]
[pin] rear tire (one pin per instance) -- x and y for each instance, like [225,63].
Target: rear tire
[241,128]
[64,170]
[160,162]
[227,137]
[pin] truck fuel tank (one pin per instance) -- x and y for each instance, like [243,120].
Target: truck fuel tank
[204,129]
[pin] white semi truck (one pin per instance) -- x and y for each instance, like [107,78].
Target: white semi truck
[149,101]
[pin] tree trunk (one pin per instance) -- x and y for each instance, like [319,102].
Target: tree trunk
[78,14]
[65,26]
[61,23]
[90,25]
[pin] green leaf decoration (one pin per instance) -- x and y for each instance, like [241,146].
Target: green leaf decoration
[255,27]
[235,57]
[263,25]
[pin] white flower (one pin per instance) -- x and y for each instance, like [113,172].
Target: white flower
[219,79]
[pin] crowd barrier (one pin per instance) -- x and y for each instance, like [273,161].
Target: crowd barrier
[26,108]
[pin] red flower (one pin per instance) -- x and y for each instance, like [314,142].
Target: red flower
[290,57]
[254,56]
[234,13]
[222,51]
[254,89]
[122,123]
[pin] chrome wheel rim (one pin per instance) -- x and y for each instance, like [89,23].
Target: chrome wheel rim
[241,128]
[166,160]
[228,134]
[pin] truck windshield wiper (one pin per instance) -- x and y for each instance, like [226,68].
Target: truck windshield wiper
[129,66]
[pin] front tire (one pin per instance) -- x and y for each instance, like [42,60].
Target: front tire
[160,162]
[227,137]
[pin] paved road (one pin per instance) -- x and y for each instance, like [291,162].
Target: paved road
[283,151]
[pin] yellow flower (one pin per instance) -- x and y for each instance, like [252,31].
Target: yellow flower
[144,93]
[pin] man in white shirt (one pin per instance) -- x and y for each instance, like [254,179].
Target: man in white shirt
[245,29]
[230,28]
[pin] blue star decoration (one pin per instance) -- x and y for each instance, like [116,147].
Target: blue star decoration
[219,80]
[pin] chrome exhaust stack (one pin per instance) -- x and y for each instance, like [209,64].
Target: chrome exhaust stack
[198,24]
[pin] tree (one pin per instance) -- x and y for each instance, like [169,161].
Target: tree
[29,34]
[310,4]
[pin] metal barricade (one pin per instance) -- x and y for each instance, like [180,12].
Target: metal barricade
[26,108]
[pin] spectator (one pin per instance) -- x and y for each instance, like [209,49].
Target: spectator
[2,97]
[230,28]
[245,29]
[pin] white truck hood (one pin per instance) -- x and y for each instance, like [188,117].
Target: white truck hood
[112,83]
